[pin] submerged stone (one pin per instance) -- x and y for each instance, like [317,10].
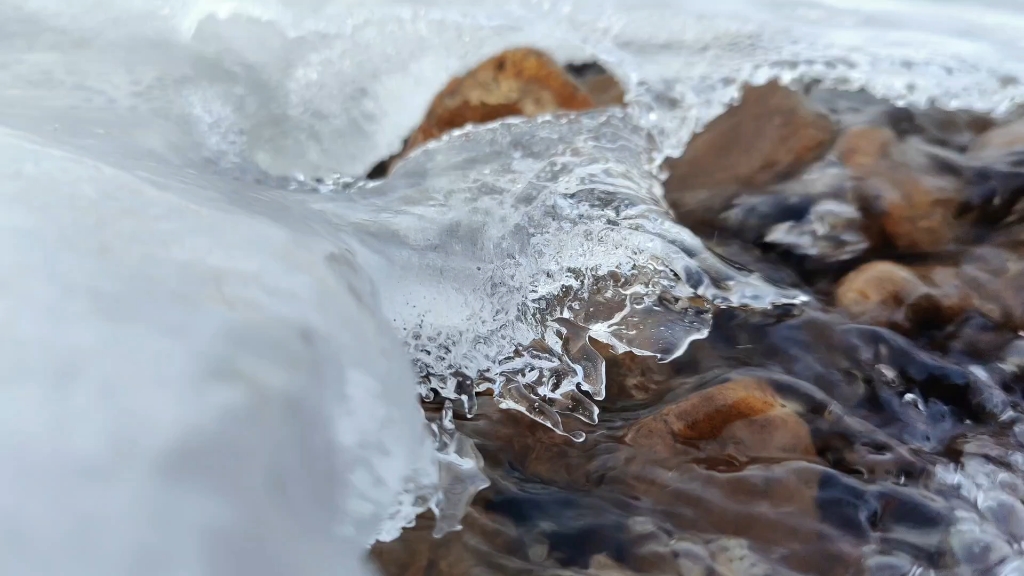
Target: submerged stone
[744,416]
[771,134]
[516,82]
[1001,139]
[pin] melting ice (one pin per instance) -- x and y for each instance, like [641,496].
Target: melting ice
[507,247]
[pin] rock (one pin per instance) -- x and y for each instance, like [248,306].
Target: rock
[520,81]
[883,293]
[950,129]
[908,204]
[598,82]
[516,82]
[693,559]
[849,108]
[998,140]
[991,278]
[812,217]
[831,231]
[603,565]
[651,548]
[904,367]
[778,433]
[864,147]
[905,518]
[605,90]
[743,416]
[485,537]
[527,445]
[773,506]
[987,280]
[994,189]
[953,129]
[632,378]
[911,211]
[772,134]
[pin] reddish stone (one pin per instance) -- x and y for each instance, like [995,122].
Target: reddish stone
[913,211]
[771,135]
[743,416]
[884,293]
[863,147]
[521,81]
[999,140]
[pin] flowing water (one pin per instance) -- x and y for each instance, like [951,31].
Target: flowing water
[217,333]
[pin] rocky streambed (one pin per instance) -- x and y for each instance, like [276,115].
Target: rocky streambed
[876,430]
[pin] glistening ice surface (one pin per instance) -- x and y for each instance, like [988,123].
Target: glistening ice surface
[201,370]
[507,247]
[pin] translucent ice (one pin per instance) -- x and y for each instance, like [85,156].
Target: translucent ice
[187,388]
[507,247]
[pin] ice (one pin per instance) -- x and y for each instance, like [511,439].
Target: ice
[507,247]
[831,230]
[188,389]
[460,477]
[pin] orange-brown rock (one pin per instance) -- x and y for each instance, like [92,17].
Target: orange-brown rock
[773,505]
[911,211]
[884,293]
[528,445]
[953,129]
[485,537]
[521,81]
[629,377]
[743,416]
[987,280]
[991,279]
[771,134]
[598,82]
[999,140]
[778,433]
[604,89]
[863,147]
[603,565]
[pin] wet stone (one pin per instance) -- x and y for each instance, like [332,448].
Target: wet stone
[417,552]
[516,82]
[914,212]
[600,84]
[733,556]
[632,378]
[742,416]
[864,147]
[888,294]
[521,81]
[602,565]
[994,189]
[999,140]
[773,133]
[953,129]
[890,565]
[984,283]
